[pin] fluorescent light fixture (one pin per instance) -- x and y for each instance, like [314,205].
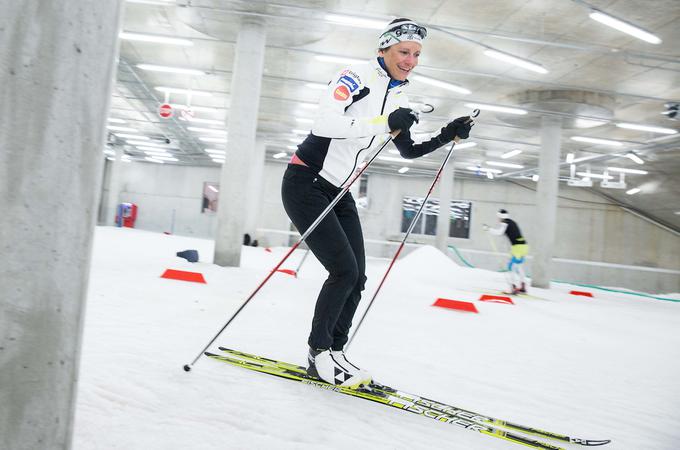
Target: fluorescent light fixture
[298,131]
[594,175]
[570,158]
[624,170]
[280,155]
[154,38]
[117,128]
[624,26]
[489,175]
[597,141]
[192,92]
[317,86]
[160,161]
[441,84]
[508,58]
[535,177]
[166,158]
[588,123]
[464,145]
[153,150]
[114,120]
[214,151]
[634,157]
[213,139]
[295,140]
[147,143]
[167,69]
[633,191]
[207,130]
[291,147]
[504,164]
[131,136]
[358,22]
[339,59]
[108,151]
[153,2]
[399,160]
[677,213]
[503,109]
[206,121]
[394,151]
[510,154]
[195,108]
[650,128]
[403,170]
[483,169]
[304,120]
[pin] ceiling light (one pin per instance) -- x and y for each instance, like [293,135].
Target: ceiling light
[214,151]
[339,59]
[298,131]
[317,86]
[510,154]
[152,150]
[535,177]
[489,175]
[207,130]
[588,123]
[515,60]
[358,22]
[166,158]
[148,158]
[192,92]
[650,128]
[624,26]
[483,169]
[504,164]
[195,108]
[280,155]
[131,136]
[403,170]
[594,175]
[291,147]
[206,121]
[117,128]
[399,160]
[634,157]
[147,143]
[213,139]
[597,141]
[155,68]
[624,170]
[633,191]
[677,213]
[394,151]
[295,140]
[570,158]
[114,120]
[441,84]
[465,145]
[496,108]
[154,38]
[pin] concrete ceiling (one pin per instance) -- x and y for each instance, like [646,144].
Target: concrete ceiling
[631,79]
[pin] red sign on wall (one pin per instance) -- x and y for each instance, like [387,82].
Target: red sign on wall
[165,111]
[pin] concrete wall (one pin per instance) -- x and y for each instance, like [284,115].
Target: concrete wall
[589,228]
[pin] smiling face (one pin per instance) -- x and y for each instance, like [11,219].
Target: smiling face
[401,59]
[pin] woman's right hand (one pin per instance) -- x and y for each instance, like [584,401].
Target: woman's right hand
[402,119]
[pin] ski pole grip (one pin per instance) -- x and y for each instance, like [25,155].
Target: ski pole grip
[475,113]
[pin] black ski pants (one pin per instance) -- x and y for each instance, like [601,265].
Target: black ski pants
[338,244]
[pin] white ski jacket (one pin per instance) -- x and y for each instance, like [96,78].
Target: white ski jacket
[352,119]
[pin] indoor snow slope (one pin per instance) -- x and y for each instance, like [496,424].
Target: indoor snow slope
[605,367]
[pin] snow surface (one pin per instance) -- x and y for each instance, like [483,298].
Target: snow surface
[601,368]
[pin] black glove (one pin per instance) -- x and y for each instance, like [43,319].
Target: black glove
[459,127]
[402,119]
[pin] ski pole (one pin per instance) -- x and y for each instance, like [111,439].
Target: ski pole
[297,270]
[324,213]
[475,113]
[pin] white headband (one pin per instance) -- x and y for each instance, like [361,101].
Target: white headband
[393,35]
[503,215]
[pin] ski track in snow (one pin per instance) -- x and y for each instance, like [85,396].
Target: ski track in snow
[602,368]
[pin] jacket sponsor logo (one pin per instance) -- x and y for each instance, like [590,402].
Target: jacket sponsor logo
[341,93]
[349,82]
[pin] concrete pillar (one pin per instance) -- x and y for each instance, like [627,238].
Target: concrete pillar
[113,188]
[546,201]
[57,62]
[255,187]
[444,217]
[238,169]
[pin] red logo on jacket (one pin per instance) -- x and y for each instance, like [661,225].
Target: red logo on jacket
[341,93]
